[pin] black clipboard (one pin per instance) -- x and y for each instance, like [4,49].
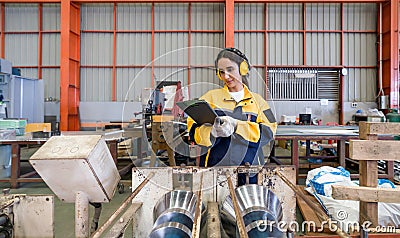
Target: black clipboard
[199,110]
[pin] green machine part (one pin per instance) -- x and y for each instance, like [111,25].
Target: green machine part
[393,115]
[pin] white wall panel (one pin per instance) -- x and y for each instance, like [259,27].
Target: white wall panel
[169,48]
[133,49]
[323,16]
[323,49]
[29,73]
[207,16]
[21,17]
[96,84]
[97,16]
[171,16]
[51,80]
[51,17]
[132,16]
[249,16]
[252,45]
[360,49]
[359,17]
[360,85]
[204,54]
[285,16]
[285,49]
[257,82]
[96,48]
[130,83]
[22,49]
[171,74]
[201,81]
[51,49]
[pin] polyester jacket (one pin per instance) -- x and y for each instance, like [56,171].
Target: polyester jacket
[255,128]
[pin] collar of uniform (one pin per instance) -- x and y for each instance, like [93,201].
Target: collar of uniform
[247,94]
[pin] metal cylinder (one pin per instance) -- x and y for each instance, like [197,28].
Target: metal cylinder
[383,102]
[174,214]
[258,205]
[363,232]
[170,229]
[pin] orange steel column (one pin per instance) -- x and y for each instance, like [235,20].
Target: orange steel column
[69,66]
[390,51]
[3,36]
[395,80]
[229,23]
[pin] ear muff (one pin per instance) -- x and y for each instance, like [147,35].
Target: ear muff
[244,68]
[219,74]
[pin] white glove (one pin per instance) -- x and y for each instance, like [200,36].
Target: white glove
[223,126]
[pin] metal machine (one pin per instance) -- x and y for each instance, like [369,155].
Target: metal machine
[209,186]
[21,97]
[24,215]
[64,162]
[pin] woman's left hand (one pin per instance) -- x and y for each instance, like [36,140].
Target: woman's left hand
[224,126]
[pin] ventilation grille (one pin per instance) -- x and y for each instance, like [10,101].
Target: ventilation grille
[303,84]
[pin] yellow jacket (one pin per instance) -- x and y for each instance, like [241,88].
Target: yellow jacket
[256,127]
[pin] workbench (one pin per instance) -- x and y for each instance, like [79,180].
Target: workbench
[19,141]
[294,134]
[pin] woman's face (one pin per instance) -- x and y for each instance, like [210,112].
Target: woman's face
[229,72]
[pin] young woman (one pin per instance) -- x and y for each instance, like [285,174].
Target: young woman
[245,122]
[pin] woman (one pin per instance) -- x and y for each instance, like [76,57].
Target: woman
[245,122]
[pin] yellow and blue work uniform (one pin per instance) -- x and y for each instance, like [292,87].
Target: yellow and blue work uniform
[256,127]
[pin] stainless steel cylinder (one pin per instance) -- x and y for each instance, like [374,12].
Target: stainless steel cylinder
[258,205]
[170,230]
[185,200]
[174,214]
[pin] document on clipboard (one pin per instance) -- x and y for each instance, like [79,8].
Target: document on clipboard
[199,110]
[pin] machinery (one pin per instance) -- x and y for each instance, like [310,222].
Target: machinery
[21,97]
[163,126]
[189,196]
[95,177]
[24,215]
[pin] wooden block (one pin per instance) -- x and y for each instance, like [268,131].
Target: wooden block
[369,178]
[32,127]
[374,150]
[162,118]
[368,128]
[309,214]
[366,194]
[213,221]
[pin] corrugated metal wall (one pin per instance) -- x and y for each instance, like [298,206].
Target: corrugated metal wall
[173,38]
[323,40]
[22,43]
[188,36]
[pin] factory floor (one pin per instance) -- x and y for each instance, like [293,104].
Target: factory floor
[64,213]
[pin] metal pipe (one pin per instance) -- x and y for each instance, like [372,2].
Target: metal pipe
[122,207]
[321,215]
[96,216]
[81,215]
[239,218]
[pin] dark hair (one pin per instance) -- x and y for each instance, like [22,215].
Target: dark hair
[234,57]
